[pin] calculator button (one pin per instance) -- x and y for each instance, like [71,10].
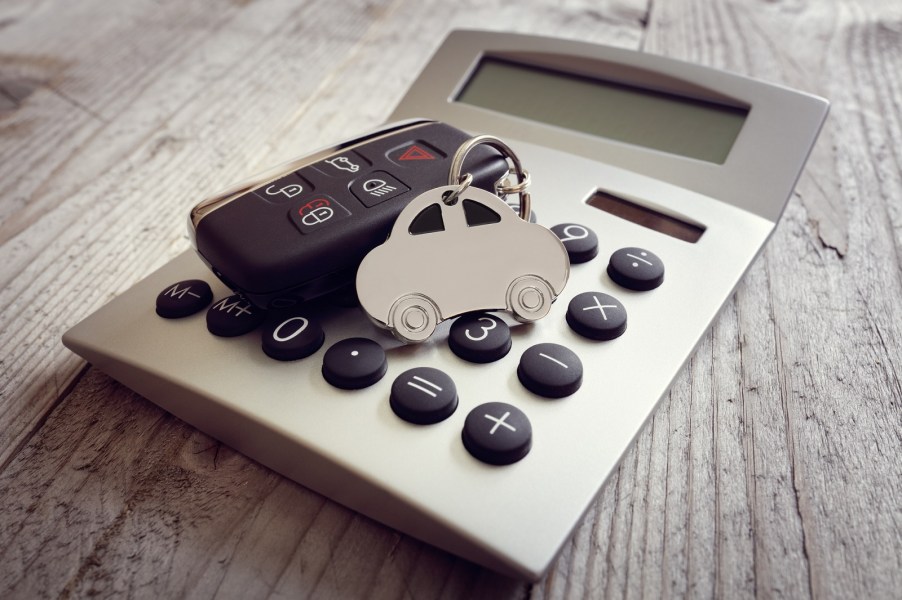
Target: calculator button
[233,316]
[636,269]
[480,338]
[312,214]
[284,189]
[410,154]
[184,298]
[580,241]
[497,433]
[550,370]
[346,165]
[292,337]
[423,396]
[354,363]
[596,316]
[377,187]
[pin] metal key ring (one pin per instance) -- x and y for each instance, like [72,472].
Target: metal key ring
[450,198]
[455,178]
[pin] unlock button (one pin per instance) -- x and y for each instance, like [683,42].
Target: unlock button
[377,187]
[312,214]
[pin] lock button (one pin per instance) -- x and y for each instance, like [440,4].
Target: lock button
[284,189]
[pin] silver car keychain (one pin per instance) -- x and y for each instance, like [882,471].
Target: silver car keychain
[458,249]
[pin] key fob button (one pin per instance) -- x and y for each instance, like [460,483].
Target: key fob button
[377,187]
[345,165]
[414,153]
[312,214]
[284,189]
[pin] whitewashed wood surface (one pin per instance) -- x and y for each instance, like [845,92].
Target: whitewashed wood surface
[773,469]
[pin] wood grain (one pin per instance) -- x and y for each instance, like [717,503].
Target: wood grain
[771,469]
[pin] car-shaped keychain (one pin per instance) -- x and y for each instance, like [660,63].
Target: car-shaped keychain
[458,249]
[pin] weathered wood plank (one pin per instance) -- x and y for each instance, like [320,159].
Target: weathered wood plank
[761,458]
[807,351]
[196,102]
[117,198]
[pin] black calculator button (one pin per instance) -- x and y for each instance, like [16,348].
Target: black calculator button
[233,316]
[580,242]
[423,396]
[550,370]
[497,433]
[354,363]
[284,189]
[184,298]
[292,337]
[377,187]
[345,165]
[596,316]
[480,338]
[411,154]
[636,269]
[314,213]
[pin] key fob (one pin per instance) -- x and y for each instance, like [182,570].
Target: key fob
[299,231]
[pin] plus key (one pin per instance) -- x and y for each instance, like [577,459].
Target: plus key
[497,433]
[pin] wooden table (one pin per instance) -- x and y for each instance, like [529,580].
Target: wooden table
[773,468]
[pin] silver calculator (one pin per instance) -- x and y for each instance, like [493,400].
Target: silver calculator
[662,179]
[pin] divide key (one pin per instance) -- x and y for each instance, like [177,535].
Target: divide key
[636,269]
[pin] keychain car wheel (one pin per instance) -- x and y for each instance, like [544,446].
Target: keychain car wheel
[529,298]
[413,318]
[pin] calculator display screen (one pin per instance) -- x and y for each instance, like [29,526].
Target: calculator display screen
[662,121]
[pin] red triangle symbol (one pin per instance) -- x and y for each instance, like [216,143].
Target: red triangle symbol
[416,153]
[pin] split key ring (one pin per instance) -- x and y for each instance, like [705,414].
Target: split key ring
[503,187]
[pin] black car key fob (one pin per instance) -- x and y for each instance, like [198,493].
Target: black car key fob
[300,230]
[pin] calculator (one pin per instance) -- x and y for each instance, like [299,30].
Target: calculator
[662,179]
